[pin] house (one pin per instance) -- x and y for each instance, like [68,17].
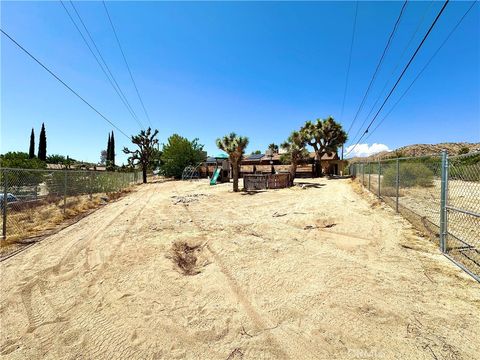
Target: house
[260,163]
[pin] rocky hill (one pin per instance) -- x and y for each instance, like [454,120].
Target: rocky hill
[422,150]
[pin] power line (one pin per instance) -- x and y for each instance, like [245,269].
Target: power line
[423,69]
[63,83]
[401,75]
[111,79]
[126,63]
[387,46]
[106,65]
[349,60]
[393,71]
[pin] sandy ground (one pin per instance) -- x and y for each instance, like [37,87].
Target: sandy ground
[425,202]
[314,273]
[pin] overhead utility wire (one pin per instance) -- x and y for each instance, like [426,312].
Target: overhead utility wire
[126,63]
[423,69]
[401,75]
[387,46]
[393,71]
[63,83]
[104,67]
[349,60]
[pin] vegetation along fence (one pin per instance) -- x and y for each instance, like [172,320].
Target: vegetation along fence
[33,200]
[439,194]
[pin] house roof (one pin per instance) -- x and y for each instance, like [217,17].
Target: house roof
[254,156]
[332,156]
[262,158]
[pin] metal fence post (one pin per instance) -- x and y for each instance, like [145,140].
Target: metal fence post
[369,173]
[65,191]
[443,203]
[379,171]
[363,174]
[91,185]
[5,203]
[397,183]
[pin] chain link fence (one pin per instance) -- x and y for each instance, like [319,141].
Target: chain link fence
[438,194]
[32,201]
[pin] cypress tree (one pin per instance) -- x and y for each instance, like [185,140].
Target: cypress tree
[42,144]
[112,149]
[31,151]
[109,147]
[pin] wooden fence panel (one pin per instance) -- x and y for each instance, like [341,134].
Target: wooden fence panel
[261,182]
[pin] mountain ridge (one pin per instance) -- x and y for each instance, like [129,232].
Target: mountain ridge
[416,150]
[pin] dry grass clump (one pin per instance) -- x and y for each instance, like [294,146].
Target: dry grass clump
[116,195]
[392,192]
[187,258]
[356,186]
[49,213]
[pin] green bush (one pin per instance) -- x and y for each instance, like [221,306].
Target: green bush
[178,153]
[21,177]
[411,174]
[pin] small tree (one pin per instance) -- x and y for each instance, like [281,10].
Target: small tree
[295,152]
[42,144]
[234,146]
[31,151]
[103,157]
[146,142]
[178,153]
[325,136]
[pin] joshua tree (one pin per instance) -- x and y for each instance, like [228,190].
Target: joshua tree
[325,136]
[273,147]
[234,146]
[295,152]
[31,151]
[145,142]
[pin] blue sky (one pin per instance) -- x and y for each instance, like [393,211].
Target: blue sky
[260,69]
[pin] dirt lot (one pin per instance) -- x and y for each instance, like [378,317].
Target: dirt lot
[312,272]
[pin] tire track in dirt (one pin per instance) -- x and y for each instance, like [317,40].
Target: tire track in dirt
[109,338]
[55,270]
[281,349]
[42,311]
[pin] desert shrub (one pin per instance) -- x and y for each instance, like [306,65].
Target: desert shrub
[391,192]
[411,174]
[464,150]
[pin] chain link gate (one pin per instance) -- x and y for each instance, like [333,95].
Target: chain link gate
[460,211]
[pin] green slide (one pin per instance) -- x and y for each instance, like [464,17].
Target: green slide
[216,173]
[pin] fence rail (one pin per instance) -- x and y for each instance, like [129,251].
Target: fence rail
[31,198]
[440,194]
